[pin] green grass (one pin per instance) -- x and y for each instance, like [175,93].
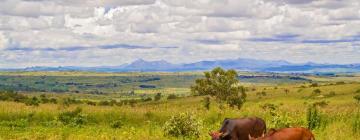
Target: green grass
[145,120]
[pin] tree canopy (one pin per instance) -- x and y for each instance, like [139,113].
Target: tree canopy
[221,84]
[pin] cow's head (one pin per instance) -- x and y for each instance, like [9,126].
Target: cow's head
[215,135]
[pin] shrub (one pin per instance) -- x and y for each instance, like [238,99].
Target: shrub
[172,96]
[182,125]
[147,99]
[357,91]
[263,93]
[116,124]
[356,124]
[73,118]
[34,101]
[22,123]
[103,103]
[320,104]
[206,103]
[316,91]
[331,94]
[277,120]
[313,118]
[157,97]
[314,85]
[357,97]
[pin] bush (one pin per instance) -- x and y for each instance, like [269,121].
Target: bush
[357,97]
[22,123]
[320,104]
[34,101]
[73,118]
[313,118]
[314,85]
[104,103]
[116,124]
[356,124]
[157,97]
[147,99]
[206,103]
[277,120]
[316,91]
[182,125]
[331,94]
[171,96]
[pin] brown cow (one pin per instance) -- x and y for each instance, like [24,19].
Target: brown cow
[240,128]
[297,133]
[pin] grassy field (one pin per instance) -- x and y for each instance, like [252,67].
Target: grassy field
[338,110]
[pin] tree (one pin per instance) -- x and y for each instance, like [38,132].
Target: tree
[221,84]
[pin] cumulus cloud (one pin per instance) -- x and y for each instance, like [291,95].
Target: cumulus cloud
[112,32]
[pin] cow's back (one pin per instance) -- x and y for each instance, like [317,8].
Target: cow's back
[242,127]
[291,134]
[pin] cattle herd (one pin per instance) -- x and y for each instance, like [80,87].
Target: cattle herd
[254,128]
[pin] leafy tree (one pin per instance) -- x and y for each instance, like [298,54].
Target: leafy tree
[221,84]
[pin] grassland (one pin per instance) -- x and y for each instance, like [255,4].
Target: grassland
[145,120]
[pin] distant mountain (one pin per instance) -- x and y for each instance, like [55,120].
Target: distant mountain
[239,64]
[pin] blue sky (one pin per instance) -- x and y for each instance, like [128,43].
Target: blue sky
[114,32]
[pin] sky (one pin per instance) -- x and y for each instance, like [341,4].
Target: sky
[114,32]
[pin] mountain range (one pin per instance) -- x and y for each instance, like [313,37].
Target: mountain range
[242,64]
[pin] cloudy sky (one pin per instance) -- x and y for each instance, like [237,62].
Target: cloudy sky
[114,32]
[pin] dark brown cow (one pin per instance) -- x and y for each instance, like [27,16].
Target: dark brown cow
[297,133]
[240,128]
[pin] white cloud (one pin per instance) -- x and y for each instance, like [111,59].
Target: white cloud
[200,29]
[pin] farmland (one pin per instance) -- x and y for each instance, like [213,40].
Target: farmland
[123,106]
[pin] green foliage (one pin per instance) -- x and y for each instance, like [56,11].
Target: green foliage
[321,104]
[11,95]
[104,103]
[147,99]
[171,96]
[22,123]
[316,91]
[116,124]
[73,118]
[357,98]
[34,101]
[157,96]
[263,93]
[314,85]
[221,84]
[277,120]
[356,124]
[183,125]
[313,118]
[206,102]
